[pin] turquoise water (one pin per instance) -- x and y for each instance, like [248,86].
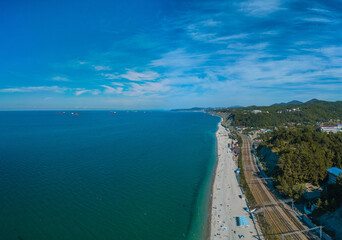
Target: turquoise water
[105,176]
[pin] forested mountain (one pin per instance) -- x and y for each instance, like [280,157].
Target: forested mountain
[309,113]
[292,102]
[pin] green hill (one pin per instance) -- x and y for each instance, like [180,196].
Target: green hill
[312,112]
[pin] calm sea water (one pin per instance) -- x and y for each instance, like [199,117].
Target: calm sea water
[105,176]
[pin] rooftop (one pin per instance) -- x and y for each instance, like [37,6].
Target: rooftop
[243,221]
[335,171]
[334,125]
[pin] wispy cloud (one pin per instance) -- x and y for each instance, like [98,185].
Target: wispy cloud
[102,68]
[117,84]
[320,10]
[211,22]
[34,89]
[132,75]
[110,76]
[60,79]
[260,8]
[80,92]
[224,39]
[148,88]
[140,76]
[318,19]
[179,58]
[111,90]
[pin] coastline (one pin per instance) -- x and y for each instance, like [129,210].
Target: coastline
[200,222]
[226,201]
[212,184]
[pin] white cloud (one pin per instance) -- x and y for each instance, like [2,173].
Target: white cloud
[211,22]
[101,68]
[79,92]
[56,89]
[318,19]
[111,90]
[260,7]
[179,59]
[256,69]
[185,80]
[319,10]
[117,84]
[34,89]
[61,79]
[148,88]
[200,36]
[110,76]
[95,92]
[140,76]
[133,75]
[199,32]
[196,32]
[272,32]
[226,38]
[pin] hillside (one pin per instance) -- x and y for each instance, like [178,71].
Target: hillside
[292,102]
[312,112]
[304,157]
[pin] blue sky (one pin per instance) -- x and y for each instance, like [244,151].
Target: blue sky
[149,54]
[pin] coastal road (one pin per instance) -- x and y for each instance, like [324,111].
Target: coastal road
[281,218]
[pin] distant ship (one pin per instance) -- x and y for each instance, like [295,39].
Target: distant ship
[112,112]
[75,114]
[60,112]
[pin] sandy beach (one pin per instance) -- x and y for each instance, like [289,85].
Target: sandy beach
[227,203]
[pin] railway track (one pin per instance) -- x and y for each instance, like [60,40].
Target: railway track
[282,220]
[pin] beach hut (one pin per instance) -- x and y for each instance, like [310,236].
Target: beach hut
[242,221]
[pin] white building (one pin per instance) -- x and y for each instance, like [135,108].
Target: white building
[331,128]
[256,111]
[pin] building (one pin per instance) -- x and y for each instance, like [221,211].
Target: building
[293,110]
[256,144]
[240,128]
[312,192]
[242,221]
[331,128]
[256,111]
[333,172]
[236,150]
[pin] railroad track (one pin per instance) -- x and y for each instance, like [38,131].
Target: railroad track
[282,220]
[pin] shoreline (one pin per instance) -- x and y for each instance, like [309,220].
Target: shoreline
[208,234]
[226,199]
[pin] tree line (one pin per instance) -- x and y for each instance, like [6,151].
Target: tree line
[305,154]
[280,115]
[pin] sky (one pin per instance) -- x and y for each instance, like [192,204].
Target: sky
[164,54]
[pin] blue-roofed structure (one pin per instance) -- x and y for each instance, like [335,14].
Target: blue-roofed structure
[242,221]
[333,172]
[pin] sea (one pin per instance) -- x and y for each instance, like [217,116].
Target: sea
[101,175]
